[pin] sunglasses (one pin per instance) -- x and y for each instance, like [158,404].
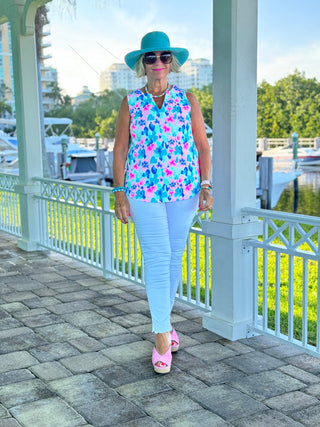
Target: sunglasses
[151,58]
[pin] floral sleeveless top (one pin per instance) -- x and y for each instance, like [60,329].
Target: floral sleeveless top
[162,164]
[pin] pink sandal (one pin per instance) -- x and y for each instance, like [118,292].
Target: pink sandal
[174,341]
[164,359]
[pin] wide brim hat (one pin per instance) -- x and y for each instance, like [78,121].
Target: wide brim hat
[156,41]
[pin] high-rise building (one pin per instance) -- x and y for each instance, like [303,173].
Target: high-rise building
[199,72]
[6,69]
[119,76]
[49,75]
[194,73]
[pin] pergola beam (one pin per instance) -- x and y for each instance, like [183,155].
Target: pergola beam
[28,16]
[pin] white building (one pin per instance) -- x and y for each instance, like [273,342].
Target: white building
[6,73]
[194,73]
[84,95]
[198,72]
[49,75]
[119,76]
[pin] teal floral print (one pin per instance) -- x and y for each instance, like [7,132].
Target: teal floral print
[162,164]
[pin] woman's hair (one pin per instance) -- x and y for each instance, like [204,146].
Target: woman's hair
[140,71]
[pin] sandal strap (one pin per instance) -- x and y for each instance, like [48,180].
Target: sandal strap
[174,336]
[164,358]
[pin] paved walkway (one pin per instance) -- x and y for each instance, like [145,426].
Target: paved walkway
[75,350]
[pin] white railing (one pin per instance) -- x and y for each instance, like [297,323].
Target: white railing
[286,261]
[9,205]
[269,143]
[77,220]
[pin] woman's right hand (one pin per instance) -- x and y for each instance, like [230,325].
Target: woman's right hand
[121,206]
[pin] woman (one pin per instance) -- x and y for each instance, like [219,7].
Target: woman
[161,172]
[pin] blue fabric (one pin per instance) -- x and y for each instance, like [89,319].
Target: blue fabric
[156,41]
[162,229]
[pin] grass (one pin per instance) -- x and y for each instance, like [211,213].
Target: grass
[284,295]
[70,224]
[309,269]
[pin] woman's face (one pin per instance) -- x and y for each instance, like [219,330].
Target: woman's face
[161,67]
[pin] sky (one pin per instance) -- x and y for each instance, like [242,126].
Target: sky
[87,40]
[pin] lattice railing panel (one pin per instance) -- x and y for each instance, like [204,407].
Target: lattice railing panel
[10,220]
[286,276]
[78,221]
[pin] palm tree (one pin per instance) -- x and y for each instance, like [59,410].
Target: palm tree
[4,107]
[55,92]
[41,20]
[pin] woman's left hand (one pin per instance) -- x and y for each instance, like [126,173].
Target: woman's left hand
[205,200]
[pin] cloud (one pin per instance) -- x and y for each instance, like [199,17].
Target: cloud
[274,63]
[118,26]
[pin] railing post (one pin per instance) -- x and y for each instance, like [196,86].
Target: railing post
[101,161]
[266,181]
[262,144]
[316,143]
[106,236]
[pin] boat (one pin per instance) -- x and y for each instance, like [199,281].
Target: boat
[54,137]
[67,159]
[305,156]
[273,180]
[86,167]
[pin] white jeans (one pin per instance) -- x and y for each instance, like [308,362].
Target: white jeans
[162,230]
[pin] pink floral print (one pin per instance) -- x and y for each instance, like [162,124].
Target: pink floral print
[162,164]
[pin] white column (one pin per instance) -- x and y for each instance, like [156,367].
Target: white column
[234,165]
[28,126]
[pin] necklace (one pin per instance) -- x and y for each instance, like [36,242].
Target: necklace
[156,96]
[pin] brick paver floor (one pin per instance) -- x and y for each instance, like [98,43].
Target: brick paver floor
[75,350]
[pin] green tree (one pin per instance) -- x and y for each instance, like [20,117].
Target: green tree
[84,123]
[4,108]
[204,97]
[55,93]
[290,105]
[108,125]
[89,114]
[4,89]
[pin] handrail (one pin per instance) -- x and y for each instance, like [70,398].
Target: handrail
[285,216]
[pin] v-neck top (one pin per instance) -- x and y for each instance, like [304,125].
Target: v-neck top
[162,164]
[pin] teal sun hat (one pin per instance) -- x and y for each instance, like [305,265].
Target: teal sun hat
[156,41]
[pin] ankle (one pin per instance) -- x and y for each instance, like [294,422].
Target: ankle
[163,342]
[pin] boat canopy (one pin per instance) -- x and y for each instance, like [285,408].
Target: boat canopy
[49,122]
[57,121]
[10,122]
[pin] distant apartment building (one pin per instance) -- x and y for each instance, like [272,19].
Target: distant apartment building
[198,72]
[6,69]
[194,73]
[119,76]
[49,75]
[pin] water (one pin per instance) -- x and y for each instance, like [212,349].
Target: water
[303,195]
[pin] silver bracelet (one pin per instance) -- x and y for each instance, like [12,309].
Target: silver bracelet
[205,182]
